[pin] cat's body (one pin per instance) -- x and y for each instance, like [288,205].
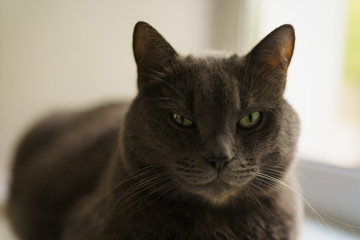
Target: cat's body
[183,166]
[60,161]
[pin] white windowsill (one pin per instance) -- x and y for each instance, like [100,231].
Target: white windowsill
[313,230]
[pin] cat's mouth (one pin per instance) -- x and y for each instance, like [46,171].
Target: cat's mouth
[217,185]
[218,189]
[213,185]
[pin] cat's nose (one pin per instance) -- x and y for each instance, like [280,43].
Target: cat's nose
[218,152]
[219,163]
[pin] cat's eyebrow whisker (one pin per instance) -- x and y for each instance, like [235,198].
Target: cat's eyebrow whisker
[158,79]
[168,103]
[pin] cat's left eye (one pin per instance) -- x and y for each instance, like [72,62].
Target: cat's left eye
[182,121]
[249,121]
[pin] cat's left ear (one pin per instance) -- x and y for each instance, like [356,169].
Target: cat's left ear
[274,52]
[151,51]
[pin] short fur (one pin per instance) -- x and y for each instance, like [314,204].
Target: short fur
[75,177]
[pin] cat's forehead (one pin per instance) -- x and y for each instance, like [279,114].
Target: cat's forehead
[226,83]
[212,83]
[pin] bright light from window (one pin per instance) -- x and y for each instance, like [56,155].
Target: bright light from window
[328,104]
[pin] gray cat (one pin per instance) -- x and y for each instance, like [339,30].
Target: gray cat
[205,151]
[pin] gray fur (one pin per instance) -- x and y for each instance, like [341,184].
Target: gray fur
[75,178]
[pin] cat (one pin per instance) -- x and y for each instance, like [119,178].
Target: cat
[204,151]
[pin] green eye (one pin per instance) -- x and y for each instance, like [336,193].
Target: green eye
[249,120]
[182,121]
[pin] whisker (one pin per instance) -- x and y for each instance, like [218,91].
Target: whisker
[275,188]
[254,197]
[142,185]
[343,223]
[138,200]
[316,213]
[165,190]
[136,174]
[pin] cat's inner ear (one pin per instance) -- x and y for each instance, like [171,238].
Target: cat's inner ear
[275,50]
[151,51]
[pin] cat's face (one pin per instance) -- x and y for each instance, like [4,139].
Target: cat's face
[214,124]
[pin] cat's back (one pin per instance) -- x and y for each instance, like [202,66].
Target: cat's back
[57,162]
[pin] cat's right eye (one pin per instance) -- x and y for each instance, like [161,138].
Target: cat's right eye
[182,121]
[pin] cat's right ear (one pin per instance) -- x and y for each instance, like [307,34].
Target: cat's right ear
[151,51]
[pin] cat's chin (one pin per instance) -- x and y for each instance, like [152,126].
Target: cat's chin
[216,192]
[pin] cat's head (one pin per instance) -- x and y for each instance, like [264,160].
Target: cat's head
[214,124]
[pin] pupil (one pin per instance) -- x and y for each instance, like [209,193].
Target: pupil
[250,118]
[182,119]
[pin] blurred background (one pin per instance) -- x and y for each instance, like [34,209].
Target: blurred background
[73,54]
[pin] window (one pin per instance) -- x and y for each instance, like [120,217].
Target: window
[316,77]
[324,87]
